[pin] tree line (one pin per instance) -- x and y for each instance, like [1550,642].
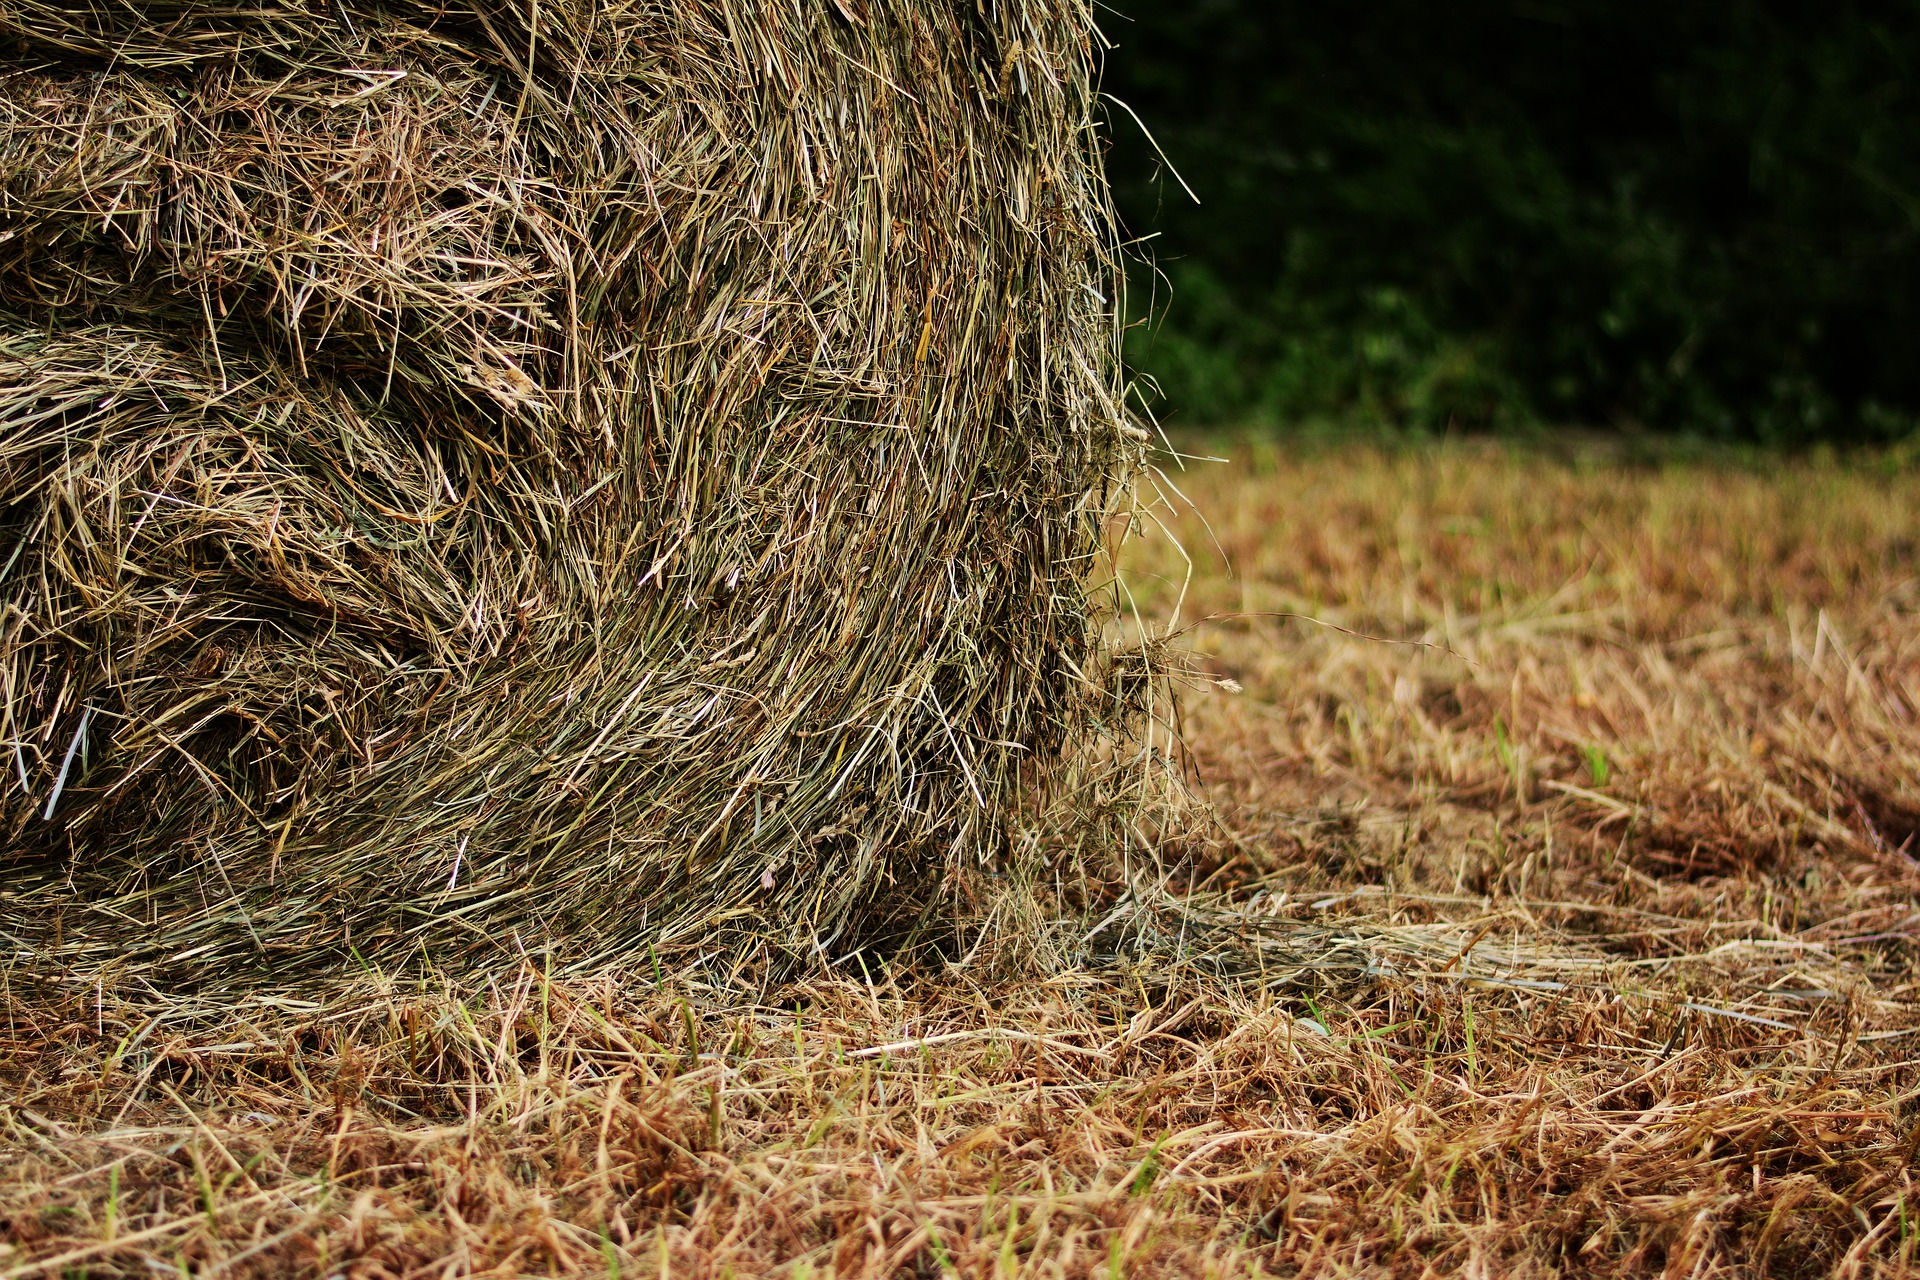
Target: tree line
[1700,215]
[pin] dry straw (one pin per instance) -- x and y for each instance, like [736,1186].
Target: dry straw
[621,474]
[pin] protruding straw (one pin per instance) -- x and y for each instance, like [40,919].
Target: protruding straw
[60,783]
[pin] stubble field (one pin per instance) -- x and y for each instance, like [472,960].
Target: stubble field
[1550,905]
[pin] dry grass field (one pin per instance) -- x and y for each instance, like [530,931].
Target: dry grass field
[1554,909]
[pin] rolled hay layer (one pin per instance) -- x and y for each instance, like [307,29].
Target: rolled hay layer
[611,475]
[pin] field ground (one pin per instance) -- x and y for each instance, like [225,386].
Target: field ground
[1601,782]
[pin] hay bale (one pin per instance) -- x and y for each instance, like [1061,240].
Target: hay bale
[617,473]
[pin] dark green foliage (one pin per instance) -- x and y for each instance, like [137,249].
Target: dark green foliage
[1699,216]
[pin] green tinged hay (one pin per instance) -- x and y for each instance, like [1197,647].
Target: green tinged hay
[615,475]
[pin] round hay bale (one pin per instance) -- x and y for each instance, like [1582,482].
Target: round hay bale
[610,475]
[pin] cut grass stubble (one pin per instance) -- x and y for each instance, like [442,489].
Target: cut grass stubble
[1432,989]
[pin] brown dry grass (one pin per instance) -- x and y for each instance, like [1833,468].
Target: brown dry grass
[1560,916]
